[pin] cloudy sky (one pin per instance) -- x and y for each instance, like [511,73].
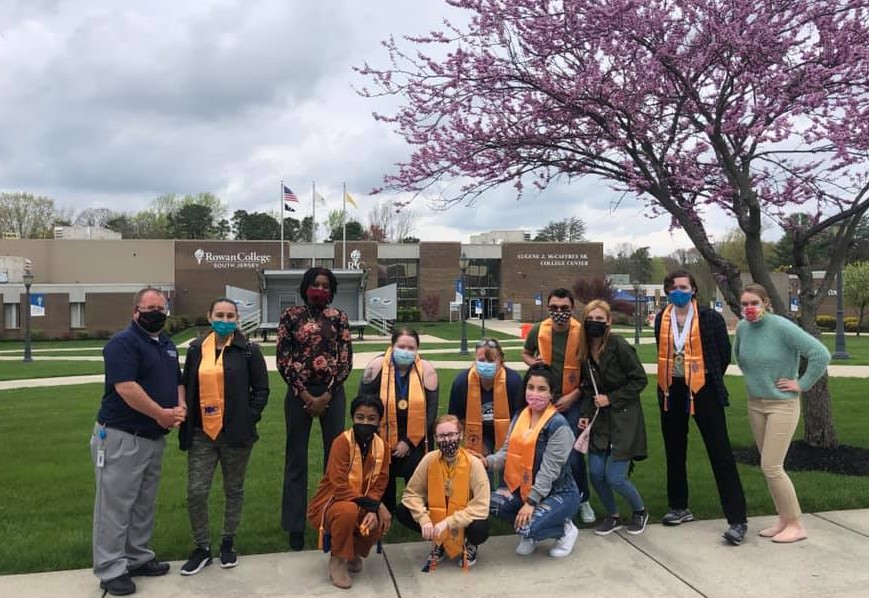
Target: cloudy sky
[111,103]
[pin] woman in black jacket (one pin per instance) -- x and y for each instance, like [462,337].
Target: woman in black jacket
[612,380]
[227,388]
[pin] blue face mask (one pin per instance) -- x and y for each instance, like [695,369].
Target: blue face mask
[223,328]
[403,356]
[486,369]
[680,298]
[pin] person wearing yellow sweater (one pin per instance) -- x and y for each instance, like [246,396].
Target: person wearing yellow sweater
[447,498]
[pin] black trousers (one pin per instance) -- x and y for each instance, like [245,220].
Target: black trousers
[401,468]
[476,533]
[712,423]
[294,502]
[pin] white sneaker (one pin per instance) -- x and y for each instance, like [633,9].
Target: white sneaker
[564,545]
[586,513]
[526,546]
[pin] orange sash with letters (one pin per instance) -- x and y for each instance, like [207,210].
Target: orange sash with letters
[474,410]
[416,423]
[519,467]
[211,382]
[570,368]
[693,364]
[449,490]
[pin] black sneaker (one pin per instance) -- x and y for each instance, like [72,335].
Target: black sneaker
[735,534]
[677,516]
[434,557]
[122,585]
[228,557]
[609,525]
[152,568]
[470,554]
[638,522]
[200,559]
[297,541]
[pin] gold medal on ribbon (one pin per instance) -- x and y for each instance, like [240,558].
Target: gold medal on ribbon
[402,404]
[679,359]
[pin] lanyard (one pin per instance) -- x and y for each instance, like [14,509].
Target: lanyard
[680,336]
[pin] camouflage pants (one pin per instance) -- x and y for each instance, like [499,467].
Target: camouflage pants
[202,459]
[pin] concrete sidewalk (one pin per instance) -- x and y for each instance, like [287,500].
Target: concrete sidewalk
[687,561]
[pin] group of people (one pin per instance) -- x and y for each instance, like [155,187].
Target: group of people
[509,446]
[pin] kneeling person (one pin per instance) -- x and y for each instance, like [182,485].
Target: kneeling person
[447,498]
[347,508]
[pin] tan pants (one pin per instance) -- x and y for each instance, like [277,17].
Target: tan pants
[773,422]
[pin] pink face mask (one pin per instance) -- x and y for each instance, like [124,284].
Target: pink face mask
[752,313]
[537,402]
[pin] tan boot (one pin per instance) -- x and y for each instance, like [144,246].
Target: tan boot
[355,566]
[338,573]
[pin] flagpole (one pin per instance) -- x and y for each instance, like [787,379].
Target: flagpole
[344,229]
[281,212]
[313,221]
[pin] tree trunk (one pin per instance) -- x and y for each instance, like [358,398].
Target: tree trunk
[819,429]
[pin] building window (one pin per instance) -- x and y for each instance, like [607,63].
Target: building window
[76,315]
[405,274]
[10,315]
[484,284]
[305,263]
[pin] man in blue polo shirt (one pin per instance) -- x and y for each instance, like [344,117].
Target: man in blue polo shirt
[143,400]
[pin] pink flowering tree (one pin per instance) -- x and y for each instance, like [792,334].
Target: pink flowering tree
[755,107]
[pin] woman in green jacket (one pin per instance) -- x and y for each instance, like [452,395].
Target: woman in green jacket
[612,380]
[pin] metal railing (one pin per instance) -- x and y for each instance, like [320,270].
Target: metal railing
[251,322]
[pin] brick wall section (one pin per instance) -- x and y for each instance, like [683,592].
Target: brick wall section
[438,270]
[55,322]
[108,311]
[529,268]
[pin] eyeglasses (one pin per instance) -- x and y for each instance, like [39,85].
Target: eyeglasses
[488,342]
[450,436]
[561,308]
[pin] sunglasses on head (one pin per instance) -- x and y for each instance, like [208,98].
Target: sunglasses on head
[488,342]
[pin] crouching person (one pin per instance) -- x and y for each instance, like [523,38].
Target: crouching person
[538,494]
[347,508]
[447,498]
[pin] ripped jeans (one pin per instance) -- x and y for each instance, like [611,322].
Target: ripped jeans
[549,516]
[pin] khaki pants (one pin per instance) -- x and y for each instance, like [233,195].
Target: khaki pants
[773,422]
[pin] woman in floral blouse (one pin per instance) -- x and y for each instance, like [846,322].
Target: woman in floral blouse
[314,357]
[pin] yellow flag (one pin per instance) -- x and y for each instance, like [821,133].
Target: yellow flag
[349,199]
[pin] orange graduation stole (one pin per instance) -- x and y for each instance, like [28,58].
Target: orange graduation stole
[693,364]
[570,369]
[356,476]
[519,467]
[211,381]
[449,490]
[415,402]
[474,410]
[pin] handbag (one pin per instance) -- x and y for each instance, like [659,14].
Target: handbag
[581,444]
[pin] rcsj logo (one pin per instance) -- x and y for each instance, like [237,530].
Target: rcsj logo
[240,260]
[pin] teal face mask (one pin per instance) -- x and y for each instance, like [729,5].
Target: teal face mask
[486,369]
[223,328]
[403,356]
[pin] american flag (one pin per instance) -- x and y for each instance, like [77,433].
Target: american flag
[289,195]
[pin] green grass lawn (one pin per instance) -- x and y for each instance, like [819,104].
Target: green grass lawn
[46,481]
[17,370]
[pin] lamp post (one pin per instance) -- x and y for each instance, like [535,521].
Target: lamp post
[483,313]
[840,352]
[28,280]
[637,322]
[463,265]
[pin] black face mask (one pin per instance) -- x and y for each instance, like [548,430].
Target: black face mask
[594,328]
[364,432]
[152,321]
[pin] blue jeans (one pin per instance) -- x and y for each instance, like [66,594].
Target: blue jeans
[576,460]
[608,474]
[549,516]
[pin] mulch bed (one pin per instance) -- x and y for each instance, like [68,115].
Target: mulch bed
[842,460]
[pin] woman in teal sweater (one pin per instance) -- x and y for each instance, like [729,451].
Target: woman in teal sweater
[768,349]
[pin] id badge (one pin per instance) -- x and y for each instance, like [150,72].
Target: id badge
[101,458]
